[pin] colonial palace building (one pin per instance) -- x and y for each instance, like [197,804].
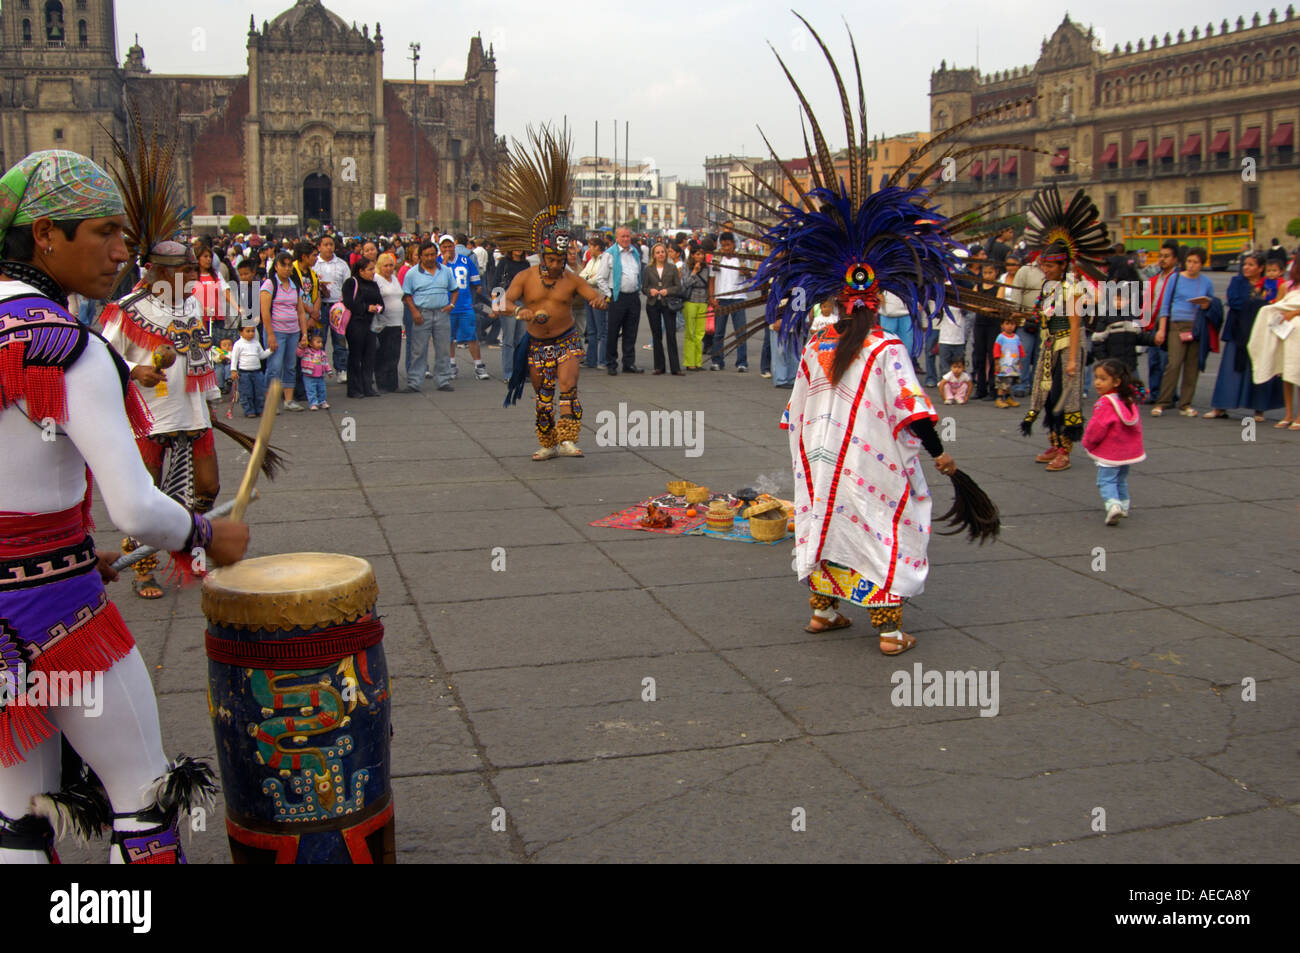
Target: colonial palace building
[1209,115]
[312,130]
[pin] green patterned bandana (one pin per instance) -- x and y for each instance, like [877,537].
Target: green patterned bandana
[56,184]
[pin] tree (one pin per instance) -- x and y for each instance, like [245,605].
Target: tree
[379,222]
[1293,228]
[238,224]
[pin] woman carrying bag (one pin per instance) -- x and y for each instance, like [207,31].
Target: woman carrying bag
[662,285]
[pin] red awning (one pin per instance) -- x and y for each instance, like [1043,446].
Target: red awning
[1061,159]
[1009,167]
[1282,136]
[1139,152]
[1222,142]
[1192,147]
[977,170]
[1250,140]
[992,170]
[1166,148]
[1111,154]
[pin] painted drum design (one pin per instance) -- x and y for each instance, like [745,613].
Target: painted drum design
[299,694]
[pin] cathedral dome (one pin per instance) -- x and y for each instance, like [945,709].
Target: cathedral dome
[304,10]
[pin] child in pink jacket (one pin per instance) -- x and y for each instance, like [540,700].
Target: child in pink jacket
[1113,437]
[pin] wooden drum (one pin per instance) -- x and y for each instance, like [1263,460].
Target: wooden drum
[298,692]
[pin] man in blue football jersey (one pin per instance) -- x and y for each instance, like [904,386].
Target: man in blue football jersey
[464,321]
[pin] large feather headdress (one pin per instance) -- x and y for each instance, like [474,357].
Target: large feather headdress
[146,175]
[842,240]
[1077,227]
[533,201]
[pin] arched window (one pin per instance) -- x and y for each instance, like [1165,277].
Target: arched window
[1277,63]
[1105,93]
[1243,70]
[1292,61]
[218,205]
[1142,86]
[1185,80]
[1130,88]
[1214,74]
[83,35]
[1196,78]
[941,120]
[53,21]
[1159,86]
[1259,66]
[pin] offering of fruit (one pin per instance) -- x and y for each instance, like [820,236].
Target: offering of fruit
[691,512]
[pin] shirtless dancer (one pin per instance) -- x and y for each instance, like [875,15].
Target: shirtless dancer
[554,349]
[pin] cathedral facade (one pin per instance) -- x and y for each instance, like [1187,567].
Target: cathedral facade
[312,131]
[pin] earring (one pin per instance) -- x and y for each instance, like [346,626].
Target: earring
[47,249]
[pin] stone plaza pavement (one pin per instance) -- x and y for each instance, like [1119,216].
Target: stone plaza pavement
[1121,687]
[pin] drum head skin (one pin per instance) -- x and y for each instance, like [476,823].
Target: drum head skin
[290,591]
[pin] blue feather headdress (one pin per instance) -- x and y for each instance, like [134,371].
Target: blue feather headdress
[891,242]
[841,241]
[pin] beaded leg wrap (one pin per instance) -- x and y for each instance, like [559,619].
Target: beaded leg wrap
[203,504]
[146,566]
[186,785]
[570,424]
[1065,443]
[823,603]
[887,618]
[548,367]
[157,845]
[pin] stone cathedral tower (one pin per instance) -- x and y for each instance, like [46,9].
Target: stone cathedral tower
[59,77]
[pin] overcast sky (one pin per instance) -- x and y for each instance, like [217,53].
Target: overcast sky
[692,78]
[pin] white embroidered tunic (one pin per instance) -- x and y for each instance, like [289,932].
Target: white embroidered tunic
[861,499]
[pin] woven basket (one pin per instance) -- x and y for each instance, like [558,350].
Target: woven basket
[679,487]
[766,506]
[768,527]
[720,522]
[697,494]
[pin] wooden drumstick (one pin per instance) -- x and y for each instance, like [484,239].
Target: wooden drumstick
[258,453]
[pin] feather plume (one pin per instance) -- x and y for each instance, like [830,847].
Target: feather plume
[972,511]
[863,153]
[1077,225]
[823,150]
[188,783]
[537,187]
[854,191]
[951,133]
[147,178]
[274,460]
[789,176]
[813,167]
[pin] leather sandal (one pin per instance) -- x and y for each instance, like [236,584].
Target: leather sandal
[140,584]
[902,642]
[825,625]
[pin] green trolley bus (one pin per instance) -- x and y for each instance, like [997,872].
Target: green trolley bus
[1221,230]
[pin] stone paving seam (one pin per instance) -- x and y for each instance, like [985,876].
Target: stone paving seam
[1124,833]
[806,735]
[487,772]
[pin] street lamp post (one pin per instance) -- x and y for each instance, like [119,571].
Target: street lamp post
[415,131]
